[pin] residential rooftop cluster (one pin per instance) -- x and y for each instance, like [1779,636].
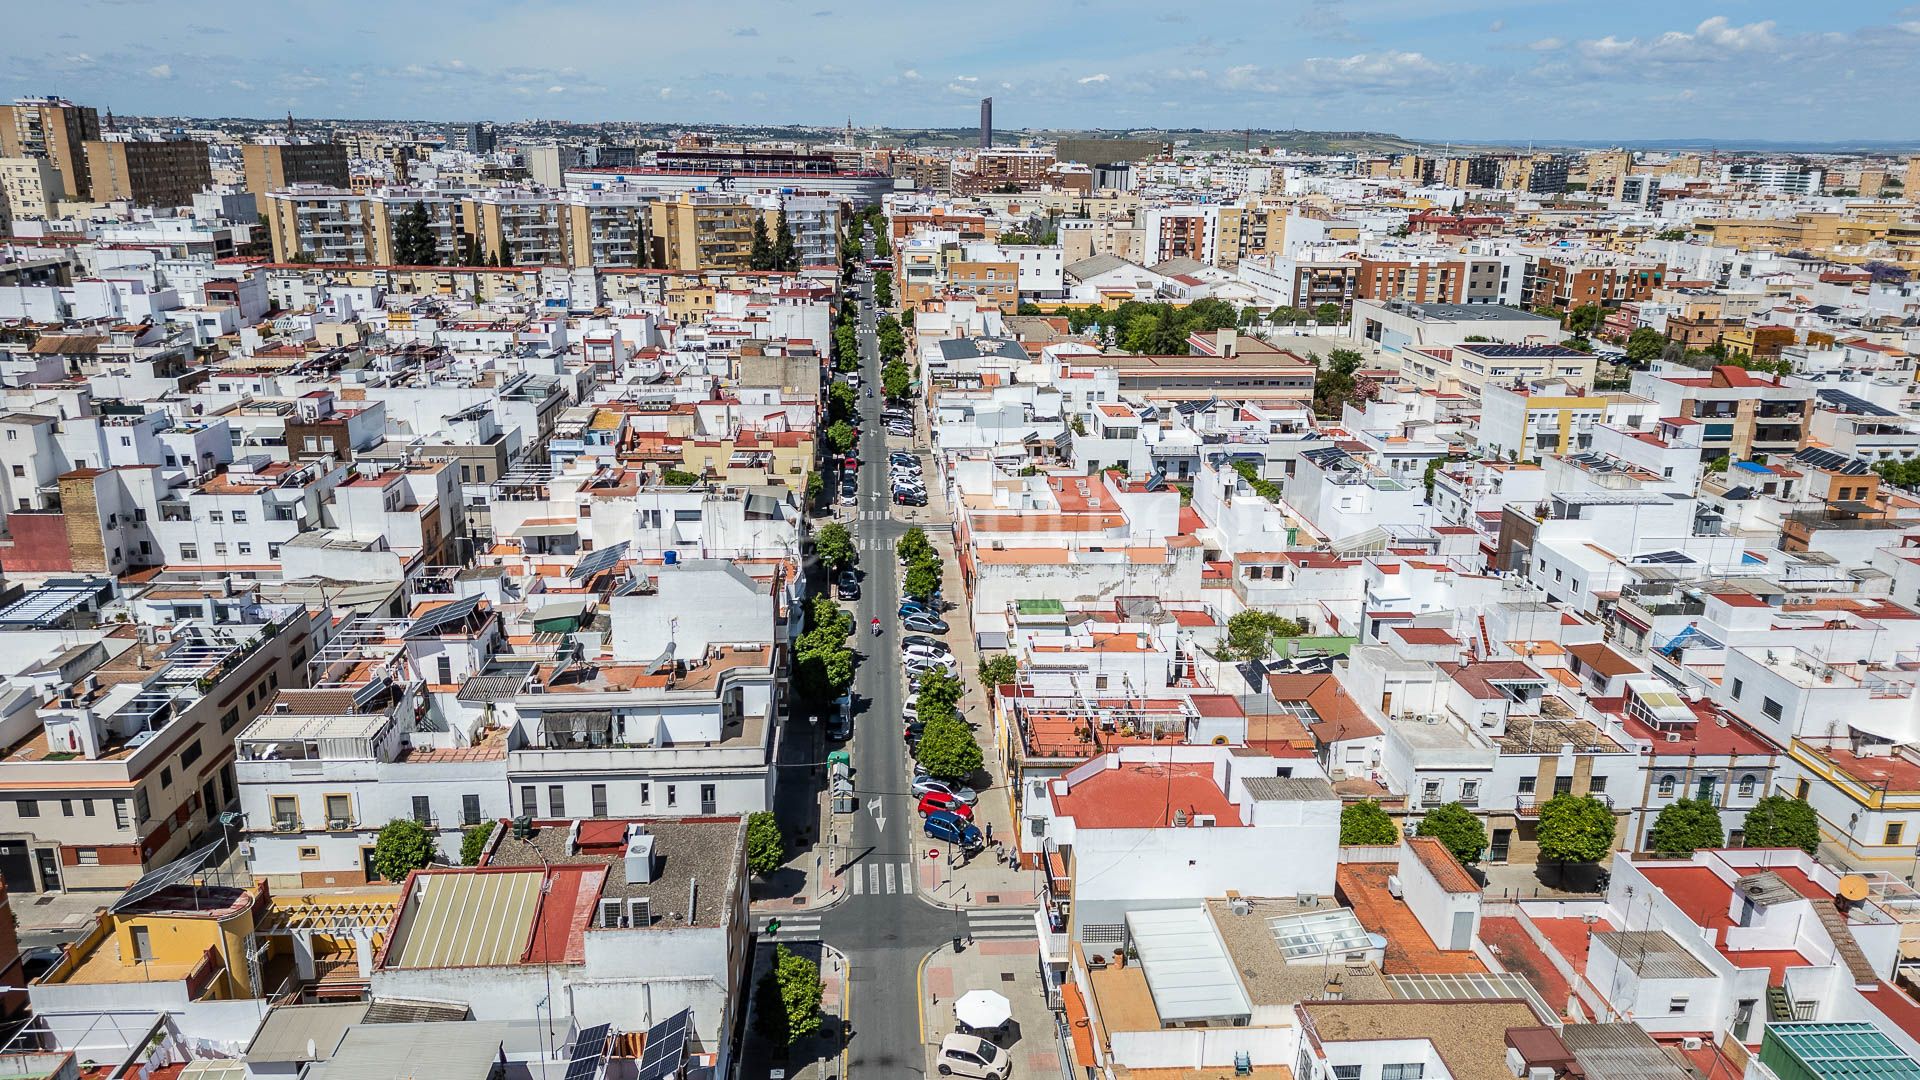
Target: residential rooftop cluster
[1442,614]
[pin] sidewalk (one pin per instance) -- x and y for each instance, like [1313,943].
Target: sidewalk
[1006,967]
[819,1056]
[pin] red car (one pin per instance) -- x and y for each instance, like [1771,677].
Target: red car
[851,463]
[934,801]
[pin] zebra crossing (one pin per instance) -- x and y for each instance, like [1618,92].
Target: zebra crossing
[1001,923]
[794,926]
[879,878]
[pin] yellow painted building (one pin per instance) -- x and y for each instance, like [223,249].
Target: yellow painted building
[196,935]
[696,230]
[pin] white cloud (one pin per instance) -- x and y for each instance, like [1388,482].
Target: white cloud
[910,75]
[556,89]
[1546,44]
[1091,79]
[966,78]
[1496,26]
[666,93]
[160,71]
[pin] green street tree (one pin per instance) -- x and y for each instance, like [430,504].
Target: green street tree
[760,250]
[833,546]
[1366,823]
[785,256]
[947,750]
[1645,345]
[998,670]
[939,695]
[922,579]
[895,380]
[840,436]
[402,846]
[766,846]
[413,242]
[1575,828]
[914,545]
[473,842]
[1781,821]
[1456,827]
[1685,826]
[1585,320]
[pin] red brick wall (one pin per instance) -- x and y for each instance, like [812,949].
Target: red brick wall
[39,544]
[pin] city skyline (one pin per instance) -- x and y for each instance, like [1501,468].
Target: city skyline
[1430,72]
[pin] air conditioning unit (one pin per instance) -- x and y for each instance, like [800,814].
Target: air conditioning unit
[1307,899]
[611,913]
[1692,1042]
[1394,888]
[286,825]
[337,824]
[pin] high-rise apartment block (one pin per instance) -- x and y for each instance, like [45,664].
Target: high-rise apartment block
[273,166]
[148,173]
[55,129]
[30,186]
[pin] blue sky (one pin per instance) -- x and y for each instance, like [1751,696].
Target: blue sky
[1433,69]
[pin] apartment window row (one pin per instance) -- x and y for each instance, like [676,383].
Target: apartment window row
[556,804]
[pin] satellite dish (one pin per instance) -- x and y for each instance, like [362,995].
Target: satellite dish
[1853,888]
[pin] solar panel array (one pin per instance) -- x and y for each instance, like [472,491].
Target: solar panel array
[595,561]
[1494,350]
[1853,404]
[166,876]
[1832,462]
[442,616]
[1664,557]
[588,1050]
[666,1047]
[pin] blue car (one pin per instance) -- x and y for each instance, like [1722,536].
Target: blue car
[915,607]
[951,828]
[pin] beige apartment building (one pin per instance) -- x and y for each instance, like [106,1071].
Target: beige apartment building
[704,230]
[30,186]
[55,129]
[316,224]
[149,173]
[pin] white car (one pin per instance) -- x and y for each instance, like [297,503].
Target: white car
[925,652]
[968,1055]
[915,665]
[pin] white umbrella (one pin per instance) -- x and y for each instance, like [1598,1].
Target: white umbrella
[982,1009]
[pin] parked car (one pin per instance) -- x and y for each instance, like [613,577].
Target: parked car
[970,1055]
[901,457]
[916,664]
[927,785]
[905,431]
[940,648]
[914,607]
[848,585]
[910,498]
[924,624]
[851,463]
[933,801]
[911,732]
[953,829]
[909,654]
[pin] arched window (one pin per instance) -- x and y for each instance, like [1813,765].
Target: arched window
[1748,782]
[1666,786]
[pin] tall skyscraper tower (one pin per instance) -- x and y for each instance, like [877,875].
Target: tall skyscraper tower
[986,123]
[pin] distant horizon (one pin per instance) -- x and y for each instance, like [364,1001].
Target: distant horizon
[1719,143]
[1776,72]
